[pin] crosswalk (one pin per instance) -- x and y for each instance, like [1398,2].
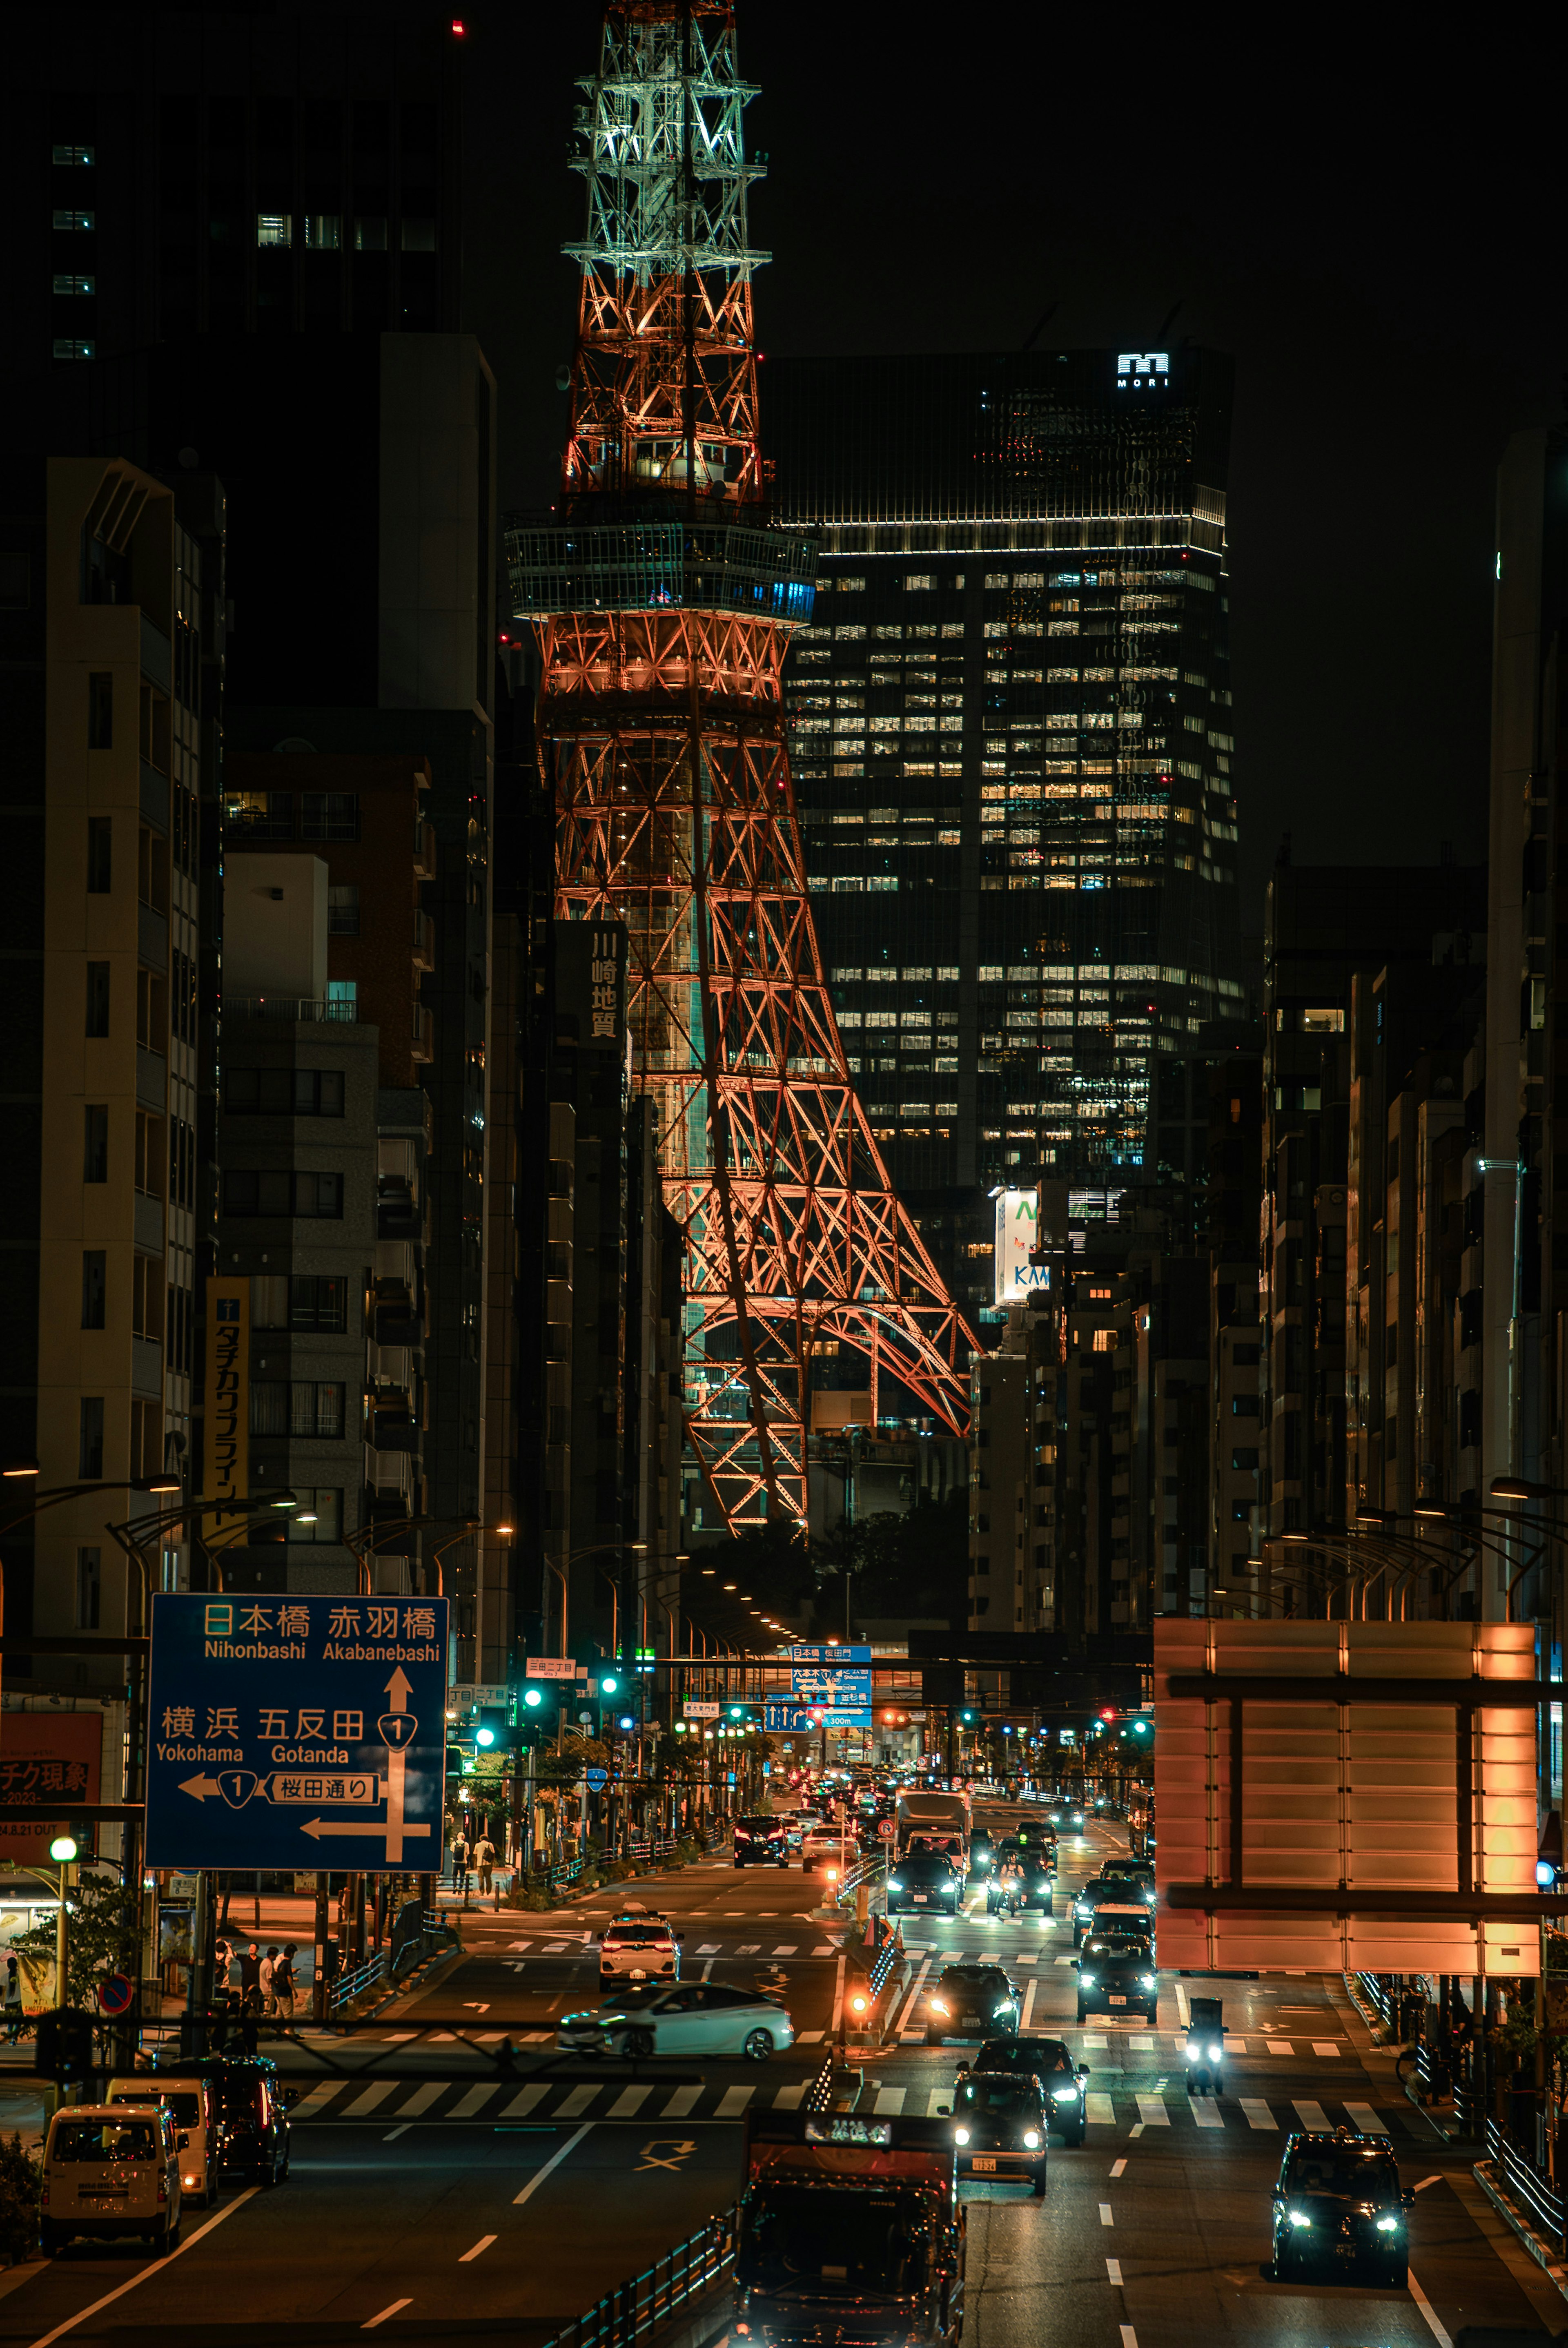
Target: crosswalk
[399,2102]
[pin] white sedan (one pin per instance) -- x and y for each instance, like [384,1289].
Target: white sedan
[694,2018]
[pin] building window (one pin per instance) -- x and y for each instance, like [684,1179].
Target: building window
[93,1283]
[254,1193]
[89,1585]
[69,286]
[269,1407]
[329,815]
[343,908]
[419,235]
[283,1092]
[370,235]
[1243,1458]
[1323,1023]
[343,1000]
[91,1437]
[96,1144]
[268,1301]
[100,709]
[74,223]
[317,1410]
[150,1169]
[318,1302]
[77,158]
[259,815]
[318,1516]
[324,232]
[101,842]
[146,1438]
[97,1016]
[72,347]
[147,1297]
[274,228]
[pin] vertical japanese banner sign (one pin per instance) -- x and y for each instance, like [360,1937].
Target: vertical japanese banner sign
[226,1465]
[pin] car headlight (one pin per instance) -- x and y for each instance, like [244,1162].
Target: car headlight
[1215,2052]
[1032,2138]
[895,1885]
[1388,2225]
[1087,1981]
[1064,2095]
[938,2005]
[1146,1980]
[960,2136]
[1006,2006]
[1300,2218]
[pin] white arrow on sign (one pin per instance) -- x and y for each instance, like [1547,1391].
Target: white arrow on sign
[316,1828]
[201,1786]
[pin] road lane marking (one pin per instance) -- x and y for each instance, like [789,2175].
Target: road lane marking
[748,1948]
[155,2266]
[708,1949]
[629,2101]
[825,1949]
[1181,2007]
[889,2102]
[809,2037]
[1101,2109]
[368,2101]
[789,2099]
[384,2313]
[1280,2046]
[1259,2115]
[1206,2113]
[1325,2046]
[734,2101]
[1091,2038]
[1118,2169]
[913,1999]
[483,2244]
[1313,2116]
[1113,2272]
[1426,2181]
[1235,2046]
[317,2099]
[577,2103]
[1106,2217]
[540,2175]
[393,2134]
[1028,1959]
[1129,2337]
[521,2105]
[787,1949]
[1152,2111]
[680,2103]
[939,2104]
[1425,2304]
[1028,2004]
[467,2106]
[1367,2120]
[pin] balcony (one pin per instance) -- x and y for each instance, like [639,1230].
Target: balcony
[296,1009]
[424,942]
[399,1214]
[423,851]
[422,1046]
[397,1321]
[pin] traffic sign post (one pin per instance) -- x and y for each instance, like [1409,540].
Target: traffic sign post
[279,1724]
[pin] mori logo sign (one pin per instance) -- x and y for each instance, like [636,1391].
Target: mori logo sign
[1143,370]
[1018,1225]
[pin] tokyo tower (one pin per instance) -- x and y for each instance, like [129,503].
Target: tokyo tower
[663,601]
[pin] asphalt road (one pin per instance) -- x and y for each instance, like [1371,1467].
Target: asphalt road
[432,2199]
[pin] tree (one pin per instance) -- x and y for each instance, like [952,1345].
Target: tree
[101,1936]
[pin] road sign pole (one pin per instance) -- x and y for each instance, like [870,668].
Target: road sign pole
[319,1987]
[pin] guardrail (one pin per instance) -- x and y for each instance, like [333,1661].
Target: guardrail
[634,2309]
[348,1986]
[1527,2185]
[867,1871]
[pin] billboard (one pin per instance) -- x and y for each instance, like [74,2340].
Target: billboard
[44,1755]
[297,1732]
[1018,1223]
[227,1463]
[1344,1797]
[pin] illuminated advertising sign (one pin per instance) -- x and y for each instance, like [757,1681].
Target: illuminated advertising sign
[1018,1221]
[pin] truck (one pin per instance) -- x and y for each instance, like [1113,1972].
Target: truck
[933,1822]
[849,2229]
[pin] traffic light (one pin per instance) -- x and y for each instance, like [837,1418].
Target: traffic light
[609,1685]
[492,1727]
[533,1697]
[65,2044]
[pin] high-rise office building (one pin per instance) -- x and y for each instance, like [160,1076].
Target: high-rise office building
[1012,747]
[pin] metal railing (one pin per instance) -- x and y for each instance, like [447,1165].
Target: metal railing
[868,1870]
[1527,2185]
[332,1011]
[634,2309]
[348,1986]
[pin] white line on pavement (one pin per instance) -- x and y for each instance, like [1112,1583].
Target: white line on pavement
[1259,2115]
[1367,2120]
[1314,2117]
[1181,2006]
[156,2266]
[1152,2111]
[1206,2114]
[1113,2272]
[540,2175]
[1118,2169]
[483,2243]
[384,2313]
[393,2134]
[1106,2217]
[1129,2337]
[1425,2304]
[913,1999]
[1028,2004]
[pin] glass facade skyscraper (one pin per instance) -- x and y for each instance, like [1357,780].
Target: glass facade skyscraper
[1011,743]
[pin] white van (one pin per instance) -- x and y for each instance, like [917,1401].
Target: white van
[107,2170]
[192,2106]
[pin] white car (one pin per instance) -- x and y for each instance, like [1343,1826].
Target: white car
[640,1947]
[688,2018]
[825,1847]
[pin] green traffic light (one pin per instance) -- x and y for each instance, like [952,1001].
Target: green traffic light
[484,1736]
[532,1698]
[609,1684]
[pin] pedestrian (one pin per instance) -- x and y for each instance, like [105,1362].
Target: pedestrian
[264,1980]
[283,1985]
[13,2000]
[460,1861]
[249,1965]
[483,1857]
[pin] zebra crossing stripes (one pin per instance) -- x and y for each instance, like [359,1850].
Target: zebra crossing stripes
[1313,2116]
[1369,2122]
[1150,2110]
[684,2100]
[1259,2115]
[1205,2113]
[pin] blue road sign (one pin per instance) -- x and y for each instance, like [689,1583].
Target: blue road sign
[839,1690]
[297,1732]
[781,1718]
[595,1780]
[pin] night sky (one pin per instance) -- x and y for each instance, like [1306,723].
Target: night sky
[1373,229]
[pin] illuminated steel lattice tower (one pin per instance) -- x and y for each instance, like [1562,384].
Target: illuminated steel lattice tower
[664,603]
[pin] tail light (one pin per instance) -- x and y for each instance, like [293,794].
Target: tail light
[43,2196]
[163,2189]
